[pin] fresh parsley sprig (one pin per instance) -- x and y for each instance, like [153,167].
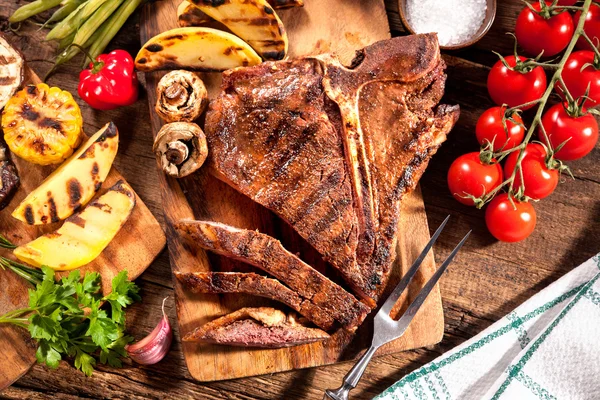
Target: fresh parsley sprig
[66,319]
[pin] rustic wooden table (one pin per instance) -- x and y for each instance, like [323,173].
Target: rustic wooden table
[487,280]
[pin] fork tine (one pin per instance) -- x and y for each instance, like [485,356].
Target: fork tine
[410,312]
[393,297]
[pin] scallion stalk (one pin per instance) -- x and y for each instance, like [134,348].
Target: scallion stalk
[31,9]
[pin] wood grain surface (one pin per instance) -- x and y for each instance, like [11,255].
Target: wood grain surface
[486,281]
[203,197]
[134,248]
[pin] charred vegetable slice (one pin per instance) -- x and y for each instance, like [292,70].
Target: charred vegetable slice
[11,71]
[83,236]
[200,49]
[42,124]
[74,183]
[190,15]
[254,21]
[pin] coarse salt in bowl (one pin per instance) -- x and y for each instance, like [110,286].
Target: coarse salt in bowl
[455,21]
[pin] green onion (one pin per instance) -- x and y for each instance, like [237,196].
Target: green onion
[72,23]
[68,6]
[64,43]
[31,9]
[109,29]
[92,24]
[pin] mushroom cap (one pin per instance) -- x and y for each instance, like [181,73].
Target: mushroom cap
[181,148]
[180,96]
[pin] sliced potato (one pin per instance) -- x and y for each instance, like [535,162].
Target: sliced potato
[190,15]
[74,183]
[84,235]
[195,48]
[255,21]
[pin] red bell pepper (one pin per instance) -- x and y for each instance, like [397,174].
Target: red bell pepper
[109,81]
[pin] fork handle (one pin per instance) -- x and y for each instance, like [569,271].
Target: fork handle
[352,377]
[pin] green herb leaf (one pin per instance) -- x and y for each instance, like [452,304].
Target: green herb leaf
[45,354]
[85,363]
[43,327]
[66,319]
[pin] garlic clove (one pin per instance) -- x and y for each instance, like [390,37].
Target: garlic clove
[156,345]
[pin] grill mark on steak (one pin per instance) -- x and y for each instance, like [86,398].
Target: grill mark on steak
[268,254]
[257,285]
[376,126]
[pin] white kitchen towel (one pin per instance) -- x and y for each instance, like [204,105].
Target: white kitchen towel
[548,348]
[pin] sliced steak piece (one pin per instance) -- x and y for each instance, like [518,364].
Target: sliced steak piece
[332,149]
[9,176]
[257,285]
[256,327]
[268,254]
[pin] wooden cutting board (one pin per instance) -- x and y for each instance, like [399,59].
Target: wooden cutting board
[340,26]
[134,248]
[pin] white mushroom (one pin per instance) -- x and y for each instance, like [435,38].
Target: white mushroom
[180,96]
[181,147]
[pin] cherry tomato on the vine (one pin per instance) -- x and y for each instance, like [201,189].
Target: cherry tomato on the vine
[509,223]
[579,134]
[578,79]
[591,27]
[539,180]
[515,88]
[490,129]
[536,34]
[469,176]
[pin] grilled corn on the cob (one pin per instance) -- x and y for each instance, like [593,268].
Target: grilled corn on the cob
[42,124]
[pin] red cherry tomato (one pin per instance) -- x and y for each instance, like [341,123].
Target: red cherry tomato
[490,129]
[509,223]
[566,2]
[578,80]
[591,27]
[469,176]
[536,33]
[580,133]
[539,180]
[515,88]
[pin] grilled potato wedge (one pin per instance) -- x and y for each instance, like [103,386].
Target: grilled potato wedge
[84,235]
[190,15]
[74,183]
[195,48]
[254,21]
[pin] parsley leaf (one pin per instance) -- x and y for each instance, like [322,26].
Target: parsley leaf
[85,362]
[66,319]
[46,354]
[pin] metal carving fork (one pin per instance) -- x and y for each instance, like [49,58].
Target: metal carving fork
[385,328]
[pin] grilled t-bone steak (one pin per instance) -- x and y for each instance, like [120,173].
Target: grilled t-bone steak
[267,253]
[332,149]
[256,327]
[254,284]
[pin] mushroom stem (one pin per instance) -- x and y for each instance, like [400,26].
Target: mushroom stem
[174,91]
[177,152]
